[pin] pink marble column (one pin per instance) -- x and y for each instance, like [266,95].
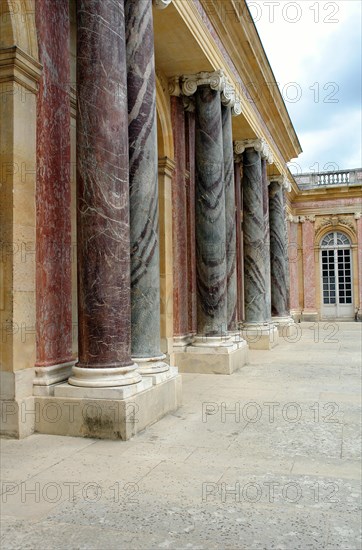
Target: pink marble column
[309,309]
[179,218]
[358,217]
[53,195]
[293,254]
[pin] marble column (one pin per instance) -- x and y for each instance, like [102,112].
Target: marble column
[210,215]
[212,349]
[53,218]
[280,302]
[267,259]
[143,175]
[229,179]
[309,310]
[239,239]
[190,199]
[257,329]
[254,235]
[358,218]
[293,253]
[103,199]
[179,227]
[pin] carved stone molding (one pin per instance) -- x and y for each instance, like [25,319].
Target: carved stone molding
[258,144]
[283,182]
[358,215]
[174,87]
[303,219]
[161,4]
[189,103]
[18,66]
[187,85]
[334,221]
[293,219]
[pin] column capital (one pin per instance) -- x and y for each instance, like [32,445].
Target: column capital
[282,181]
[358,215]
[259,144]
[161,4]
[187,85]
[293,219]
[303,219]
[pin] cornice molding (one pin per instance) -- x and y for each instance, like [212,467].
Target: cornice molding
[258,144]
[18,66]
[303,219]
[186,85]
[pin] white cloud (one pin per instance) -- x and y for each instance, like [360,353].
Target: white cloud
[321,46]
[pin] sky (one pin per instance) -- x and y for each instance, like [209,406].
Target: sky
[314,48]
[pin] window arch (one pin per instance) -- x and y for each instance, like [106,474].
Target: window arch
[335,239]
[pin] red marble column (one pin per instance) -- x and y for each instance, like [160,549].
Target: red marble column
[293,254]
[53,195]
[358,217]
[103,237]
[309,309]
[179,219]
[191,243]
[239,242]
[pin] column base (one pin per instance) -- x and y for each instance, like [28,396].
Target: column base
[104,377]
[236,337]
[296,315]
[148,366]
[180,343]
[103,413]
[285,326]
[212,355]
[46,378]
[310,315]
[260,336]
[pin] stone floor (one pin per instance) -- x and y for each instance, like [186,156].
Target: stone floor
[267,458]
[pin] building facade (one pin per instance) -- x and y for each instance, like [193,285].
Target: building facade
[325,246]
[146,206]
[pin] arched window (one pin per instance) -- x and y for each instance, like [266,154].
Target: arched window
[336,275]
[335,240]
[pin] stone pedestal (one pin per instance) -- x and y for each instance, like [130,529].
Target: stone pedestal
[285,325]
[260,336]
[109,413]
[213,355]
